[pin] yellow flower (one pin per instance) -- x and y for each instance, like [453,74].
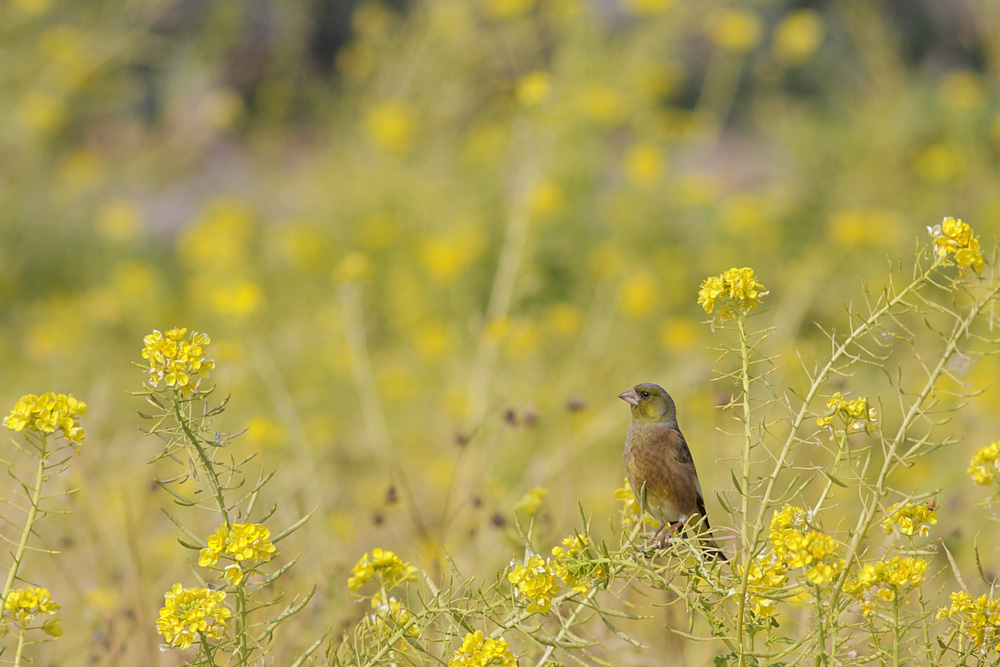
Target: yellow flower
[735,292]
[767,577]
[979,617]
[570,563]
[46,414]
[882,580]
[534,583]
[189,612]
[23,604]
[910,518]
[388,618]
[736,30]
[984,468]
[798,547]
[857,415]
[478,651]
[531,501]
[631,512]
[250,542]
[387,566]
[797,36]
[179,362]
[955,239]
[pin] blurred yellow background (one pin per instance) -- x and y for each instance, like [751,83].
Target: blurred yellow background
[432,241]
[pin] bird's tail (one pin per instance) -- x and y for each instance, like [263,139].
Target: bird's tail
[700,528]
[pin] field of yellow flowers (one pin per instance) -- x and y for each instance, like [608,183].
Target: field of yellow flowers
[316,315]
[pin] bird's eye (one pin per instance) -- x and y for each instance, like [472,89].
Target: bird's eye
[645,394]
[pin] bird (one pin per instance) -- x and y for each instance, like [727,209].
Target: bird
[659,466]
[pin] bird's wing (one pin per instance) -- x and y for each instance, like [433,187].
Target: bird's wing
[682,453]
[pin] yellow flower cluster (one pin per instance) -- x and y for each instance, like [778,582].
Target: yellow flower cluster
[857,415]
[189,612]
[47,413]
[389,617]
[768,575]
[984,468]
[23,604]
[534,582]
[387,566]
[798,547]
[980,618]
[240,542]
[734,293]
[883,580]
[910,518]
[478,651]
[177,362]
[955,238]
[570,563]
[631,512]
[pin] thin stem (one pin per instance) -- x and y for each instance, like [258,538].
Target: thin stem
[822,658]
[833,472]
[746,642]
[206,461]
[20,645]
[29,524]
[241,625]
[925,626]
[895,631]
[565,626]
[868,512]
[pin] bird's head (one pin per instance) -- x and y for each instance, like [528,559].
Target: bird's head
[650,402]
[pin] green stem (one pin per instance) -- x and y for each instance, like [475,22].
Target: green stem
[864,523]
[746,642]
[241,625]
[29,524]
[566,625]
[895,631]
[817,382]
[822,658]
[833,472]
[923,622]
[206,647]
[20,645]
[206,461]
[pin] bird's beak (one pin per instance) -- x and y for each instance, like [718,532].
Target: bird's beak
[630,397]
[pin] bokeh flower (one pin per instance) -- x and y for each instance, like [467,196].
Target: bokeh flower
[955,239]
[883,580]
[189,612]
[247,544]
[531,501]
[979,618]
[479,651]
[46,414]
[856,415]
[910,518]
[733,293]
[735,30]
[984,468]
[384,565]
[534,583]
[177,360]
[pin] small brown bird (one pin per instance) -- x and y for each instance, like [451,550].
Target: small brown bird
[659,466]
